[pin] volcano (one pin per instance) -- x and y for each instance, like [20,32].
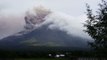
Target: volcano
[38,34]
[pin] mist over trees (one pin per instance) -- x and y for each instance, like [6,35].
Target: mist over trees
[97,27]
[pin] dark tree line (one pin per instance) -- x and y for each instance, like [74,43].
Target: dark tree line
[96,25]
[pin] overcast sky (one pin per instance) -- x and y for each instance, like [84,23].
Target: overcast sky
[15,8]
[71,7]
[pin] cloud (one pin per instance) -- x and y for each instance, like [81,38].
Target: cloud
[71,25]
[10,24]
[36,17]
[72,7]
[64,22]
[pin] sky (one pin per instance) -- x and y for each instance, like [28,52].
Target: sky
[12,12]
[71,7]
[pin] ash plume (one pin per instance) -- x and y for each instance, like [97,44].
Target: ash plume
[36,18]
[41,16]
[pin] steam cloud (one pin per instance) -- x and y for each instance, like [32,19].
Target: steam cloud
[57,20]
[39,16]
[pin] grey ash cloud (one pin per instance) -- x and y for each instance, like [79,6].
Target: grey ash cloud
[56,20]
[10,24]
[12,15]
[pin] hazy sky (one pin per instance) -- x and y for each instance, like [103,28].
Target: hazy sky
[71,7]
[16,9]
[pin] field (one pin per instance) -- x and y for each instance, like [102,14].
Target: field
[42,59]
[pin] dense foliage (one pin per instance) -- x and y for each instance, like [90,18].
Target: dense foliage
[97,27]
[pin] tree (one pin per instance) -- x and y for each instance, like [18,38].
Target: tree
[97,26]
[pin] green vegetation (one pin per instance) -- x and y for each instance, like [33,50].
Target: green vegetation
[97,28]
[41,59]
[34,42]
